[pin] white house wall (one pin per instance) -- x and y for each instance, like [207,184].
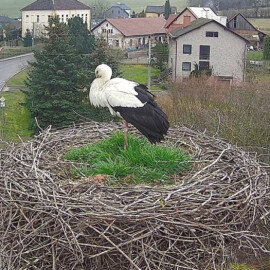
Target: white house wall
[110,34]
[116,39]
[36,20]
[227,52]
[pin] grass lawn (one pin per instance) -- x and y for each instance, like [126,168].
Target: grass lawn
[262,23]
[141,162]
[138,73]
[255,55]
[17,117]
[18,79]
[5,53]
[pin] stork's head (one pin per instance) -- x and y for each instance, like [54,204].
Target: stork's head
[104,72]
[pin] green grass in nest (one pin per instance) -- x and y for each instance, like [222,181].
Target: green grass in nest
[141,162]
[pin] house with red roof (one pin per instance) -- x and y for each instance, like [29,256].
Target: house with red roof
[131,33]
[190,14]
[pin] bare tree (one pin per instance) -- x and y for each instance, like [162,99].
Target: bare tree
[100,7]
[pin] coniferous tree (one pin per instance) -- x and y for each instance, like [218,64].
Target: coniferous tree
[160,56]
[167,9]
[142,14]
[80,37]
[54,79]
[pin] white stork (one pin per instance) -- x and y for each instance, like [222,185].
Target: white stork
[130,101]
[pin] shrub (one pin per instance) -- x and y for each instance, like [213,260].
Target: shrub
[266,50]
[240,115]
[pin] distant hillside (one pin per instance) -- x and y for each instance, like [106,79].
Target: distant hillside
[12,8]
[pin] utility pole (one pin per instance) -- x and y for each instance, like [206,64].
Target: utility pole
[149,64]
[33,35]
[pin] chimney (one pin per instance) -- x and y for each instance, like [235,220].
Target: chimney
[187,21]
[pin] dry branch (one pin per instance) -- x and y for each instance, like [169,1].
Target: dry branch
[50,221]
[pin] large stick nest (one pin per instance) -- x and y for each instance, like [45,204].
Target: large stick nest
[49,221]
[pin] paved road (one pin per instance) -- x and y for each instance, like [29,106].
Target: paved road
[10,67]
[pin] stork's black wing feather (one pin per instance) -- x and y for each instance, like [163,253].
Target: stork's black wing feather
[150,120]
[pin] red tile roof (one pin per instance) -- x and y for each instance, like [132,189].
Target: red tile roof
[139,26]
[170,20]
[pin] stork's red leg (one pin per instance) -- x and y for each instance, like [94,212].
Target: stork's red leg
[126,135]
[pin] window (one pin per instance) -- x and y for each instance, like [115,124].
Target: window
[235,22]
[204,52]
[203,65]
[211,34]
[27,16]
[66,16]
[38,18]
[117,43]
[130,42]
[186,66]
[187,49]
[62,19]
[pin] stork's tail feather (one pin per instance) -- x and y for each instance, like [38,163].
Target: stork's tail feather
[150,121]
[156,131]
